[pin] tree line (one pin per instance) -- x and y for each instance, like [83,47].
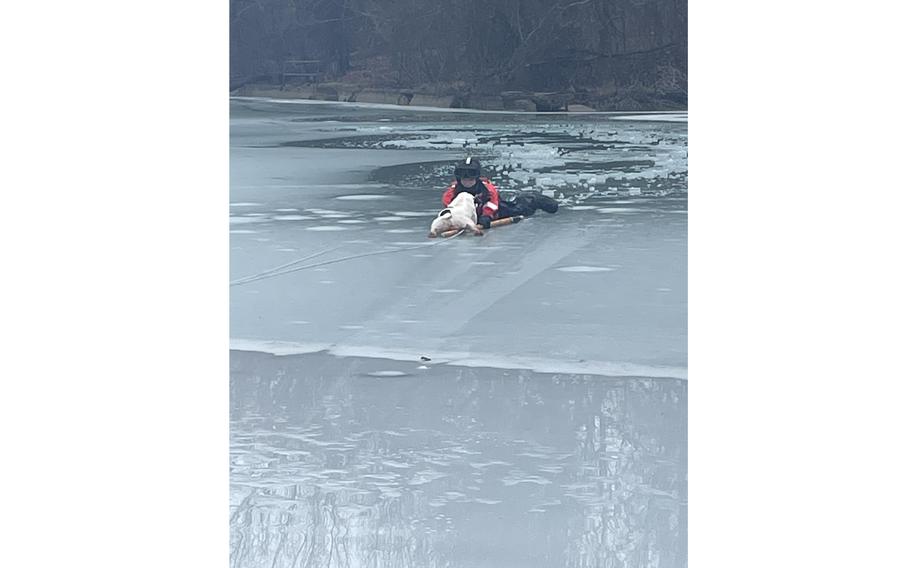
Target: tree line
[485,45]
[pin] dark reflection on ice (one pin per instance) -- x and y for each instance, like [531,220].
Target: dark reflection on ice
[367,462]
[366,141]
[566,154]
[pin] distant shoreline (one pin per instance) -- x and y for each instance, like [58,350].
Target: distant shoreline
[678,116]
[511,101]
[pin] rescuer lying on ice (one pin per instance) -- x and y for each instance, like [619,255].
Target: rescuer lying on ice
[486,196]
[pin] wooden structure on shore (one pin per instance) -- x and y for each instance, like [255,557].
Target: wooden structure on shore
[301,70]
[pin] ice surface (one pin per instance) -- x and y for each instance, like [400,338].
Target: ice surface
[584,269]
[347,461]
[656,117]
[516,399]
[520,306]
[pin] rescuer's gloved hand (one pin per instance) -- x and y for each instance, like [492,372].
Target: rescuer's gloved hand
[485,221]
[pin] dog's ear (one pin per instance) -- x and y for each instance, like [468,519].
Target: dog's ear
[443,213]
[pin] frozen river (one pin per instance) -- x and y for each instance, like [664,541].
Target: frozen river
[516,399]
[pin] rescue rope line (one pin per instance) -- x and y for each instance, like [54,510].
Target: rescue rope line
[283,266]
[289,267]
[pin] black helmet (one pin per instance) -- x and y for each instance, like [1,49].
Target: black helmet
[469,167]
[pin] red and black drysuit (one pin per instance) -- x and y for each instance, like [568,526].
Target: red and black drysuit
[486,197]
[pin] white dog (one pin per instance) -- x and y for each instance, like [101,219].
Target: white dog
[460,214]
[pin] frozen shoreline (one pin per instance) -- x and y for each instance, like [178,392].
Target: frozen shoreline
[656,115]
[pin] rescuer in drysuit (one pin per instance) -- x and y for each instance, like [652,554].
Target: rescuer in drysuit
[486,196]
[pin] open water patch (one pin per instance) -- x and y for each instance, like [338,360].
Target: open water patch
[362,141]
